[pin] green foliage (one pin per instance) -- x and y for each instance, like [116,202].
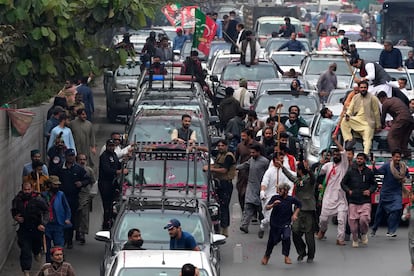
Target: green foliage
[49,41]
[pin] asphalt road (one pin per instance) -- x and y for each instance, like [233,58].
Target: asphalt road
[382,257]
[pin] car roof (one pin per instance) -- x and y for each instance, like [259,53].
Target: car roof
[366,44]
[277,18]
[162,258]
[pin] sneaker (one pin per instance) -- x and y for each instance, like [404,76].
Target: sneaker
[355,244]
[300,257]
[373,232]
[309,260]
[260,234]
[391,235]
[244,229]
[364,239]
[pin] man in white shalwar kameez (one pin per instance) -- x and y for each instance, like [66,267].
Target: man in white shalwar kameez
[334,199]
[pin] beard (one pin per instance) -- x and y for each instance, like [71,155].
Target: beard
[336,160]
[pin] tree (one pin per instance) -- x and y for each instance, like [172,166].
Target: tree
[44,42]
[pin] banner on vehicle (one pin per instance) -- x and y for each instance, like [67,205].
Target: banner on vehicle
[173,14]
[328,43]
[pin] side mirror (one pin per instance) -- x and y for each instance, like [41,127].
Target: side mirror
[104,236]
[219,239]
[214,78]
[305,132]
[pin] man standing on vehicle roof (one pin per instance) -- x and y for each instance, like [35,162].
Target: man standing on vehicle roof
[287,29]
[292,44]
[395,172]
[402,124]
[180,240]
[184,134]
[249,50]
[224,169]
[390,57]
[326,83]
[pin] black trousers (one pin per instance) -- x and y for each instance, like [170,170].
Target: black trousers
[276,235]
[30,242]
[107,192]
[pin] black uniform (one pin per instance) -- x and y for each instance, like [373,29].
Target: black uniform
[34,211]
[108,165]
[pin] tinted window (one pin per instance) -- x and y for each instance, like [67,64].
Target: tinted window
[288,60]
[307,104]
[152,225]
[317,67]
[159,130]
[129,71]
[368,54]
[253,73]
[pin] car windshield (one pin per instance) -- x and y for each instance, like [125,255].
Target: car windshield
[253,73]
[307,104]
[160,129]
[349,19]
[318,66]
[369,54]
[214,47]
[276,43]
[188,47]
[219,65]
[288,60]
[156,271]
[335,98]
[152,224]
[266,28]
[176,173]
[271,85]
[129,71]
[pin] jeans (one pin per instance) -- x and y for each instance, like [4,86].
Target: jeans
[224,192]
[53,232]
[29,241]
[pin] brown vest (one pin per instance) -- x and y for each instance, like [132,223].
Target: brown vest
[231,173]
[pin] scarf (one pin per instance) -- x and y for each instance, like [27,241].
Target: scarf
[400,175]
[362,71]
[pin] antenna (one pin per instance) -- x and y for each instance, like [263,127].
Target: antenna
[172,77]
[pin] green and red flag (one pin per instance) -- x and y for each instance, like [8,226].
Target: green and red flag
[204,33]
[173,14]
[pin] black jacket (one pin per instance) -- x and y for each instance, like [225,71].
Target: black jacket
[108,165]
[68,177]
[34,210]
[357,182]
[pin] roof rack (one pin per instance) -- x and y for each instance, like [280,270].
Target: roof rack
[171,203]
[165,151]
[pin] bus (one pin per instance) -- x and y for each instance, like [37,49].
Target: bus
[397,21]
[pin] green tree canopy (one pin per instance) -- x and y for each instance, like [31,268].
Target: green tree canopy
[48,41]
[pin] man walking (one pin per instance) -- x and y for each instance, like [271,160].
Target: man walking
[73,178]
[29,210]
[87,97]
[334,199]
[326,83]
[57,266]
[224,169]
[109,168]
[390,202]
[84,135]
[280,219]
[402,124]
[359,183]
[257,165]
[305,192]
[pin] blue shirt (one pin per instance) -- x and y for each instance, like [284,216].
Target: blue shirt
[293,45]
[186,242]
[219,31]
[28,168]
[179,42]
[391,59]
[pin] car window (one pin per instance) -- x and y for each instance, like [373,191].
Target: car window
[307,104]
[152,224]
[176,174]
[367,54]
[129,71]
[252,73]
[349,19]
[215,47]
[316,67]
[335,98]
[219,65]
[160,130]
[288,60]
[155,271]
[396,75]
[269,85]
